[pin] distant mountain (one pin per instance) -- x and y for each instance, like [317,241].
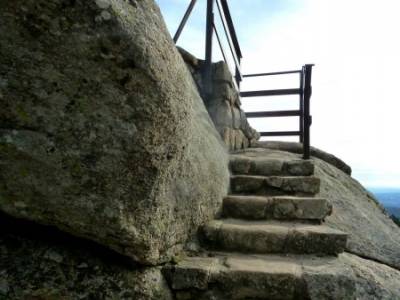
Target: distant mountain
[384,190]
[390,198]
[394,211]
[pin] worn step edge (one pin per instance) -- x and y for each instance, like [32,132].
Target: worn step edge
[273,237]
[240,164]
[264,277]
[275,185]
[279,208]
[254,276]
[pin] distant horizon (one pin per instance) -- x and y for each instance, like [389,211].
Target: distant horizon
[389,198]
[383,188]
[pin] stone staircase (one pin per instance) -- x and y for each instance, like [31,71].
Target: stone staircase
[269,239]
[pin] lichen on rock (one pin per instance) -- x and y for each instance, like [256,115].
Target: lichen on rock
[103,133]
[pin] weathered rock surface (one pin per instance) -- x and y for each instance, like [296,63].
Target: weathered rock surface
[372,233]
[37,262]
[373,280]
[103,133]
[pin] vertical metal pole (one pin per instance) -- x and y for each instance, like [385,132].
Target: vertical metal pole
[237,75]
[207,75]
[301,100]
[307,117]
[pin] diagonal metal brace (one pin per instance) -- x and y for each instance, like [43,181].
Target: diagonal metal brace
[184,20]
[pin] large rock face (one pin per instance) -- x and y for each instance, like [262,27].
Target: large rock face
[37,262]
[103,133]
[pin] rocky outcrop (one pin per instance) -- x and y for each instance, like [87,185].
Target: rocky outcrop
[223,104]
[102,131]
[38,262]
[42,263]
[373,234]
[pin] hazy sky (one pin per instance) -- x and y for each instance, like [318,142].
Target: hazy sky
[355,45]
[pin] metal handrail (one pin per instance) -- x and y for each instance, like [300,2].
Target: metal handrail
[304,90]
[230,34]
[232,30]
[220,43]
[262,93]
[276,113]
[224,53]
[272,73]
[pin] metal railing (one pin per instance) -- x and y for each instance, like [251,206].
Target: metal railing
[304,89]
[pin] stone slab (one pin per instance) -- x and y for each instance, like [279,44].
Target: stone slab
[273,237]
[280,207]
[242,164]
[275,185]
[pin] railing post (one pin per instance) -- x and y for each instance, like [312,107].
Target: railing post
[307,118]
[301,105]
[207,75]
[237,75]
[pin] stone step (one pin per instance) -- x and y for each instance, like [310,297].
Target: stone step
[273,237]
[275,185]
[278,208]
[244,165]
[273,277]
